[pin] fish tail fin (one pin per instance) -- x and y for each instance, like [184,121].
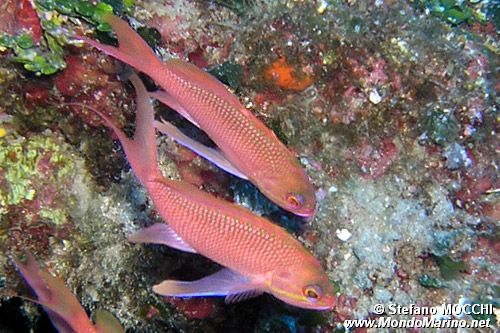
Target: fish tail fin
[132,49]
[62,306]
[141,150]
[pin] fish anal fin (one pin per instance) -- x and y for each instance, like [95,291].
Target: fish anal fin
[222,283]
[213,155]
[161,233]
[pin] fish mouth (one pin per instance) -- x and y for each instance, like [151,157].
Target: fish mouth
[307,212]
[328,304]
[324,306]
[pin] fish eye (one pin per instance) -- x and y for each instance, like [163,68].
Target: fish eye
[313,293]
[295,200]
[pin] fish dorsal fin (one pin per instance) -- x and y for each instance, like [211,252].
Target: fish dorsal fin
[105,322]
[213,155]
[202,79]
[161,233]
[222,283]
[205,81]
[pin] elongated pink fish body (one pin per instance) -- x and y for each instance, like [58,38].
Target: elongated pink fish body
[251,147]
[226,233]
[259,256]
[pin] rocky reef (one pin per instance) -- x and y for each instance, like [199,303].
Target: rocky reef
[390,106]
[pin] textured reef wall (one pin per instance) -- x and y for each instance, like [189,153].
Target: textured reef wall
[391,107]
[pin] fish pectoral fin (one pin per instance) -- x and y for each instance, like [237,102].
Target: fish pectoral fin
[234,286]
[172,103]
[242,296]
[213,155]
[161,233]
[105,322]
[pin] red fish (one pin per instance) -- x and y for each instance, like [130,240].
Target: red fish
[258,255]
[248,148]
[63,308]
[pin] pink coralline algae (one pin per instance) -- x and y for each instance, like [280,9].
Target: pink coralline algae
[375,162]
[361,80]
[89,80]
[484,258]
[17,16]
[194,308]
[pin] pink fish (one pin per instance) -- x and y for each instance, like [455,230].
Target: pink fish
[248,149]
[258,255]
[63,308]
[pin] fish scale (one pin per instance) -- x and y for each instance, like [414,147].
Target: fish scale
[259,152]
[225,238]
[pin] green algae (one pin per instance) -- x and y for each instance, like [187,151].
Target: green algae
[35,59]
[92,13]
[441,126]
[58,216]
[47,57]
[120,6]
[428,281]
[449,268]
[278,323]
[229,73]
[150,35]
[239,7]
[455,12]
[329,57]
[276,128]
[25,119]
[30,164]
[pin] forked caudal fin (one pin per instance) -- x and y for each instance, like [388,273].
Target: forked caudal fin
[141,150]
[132,49]
[63,308]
